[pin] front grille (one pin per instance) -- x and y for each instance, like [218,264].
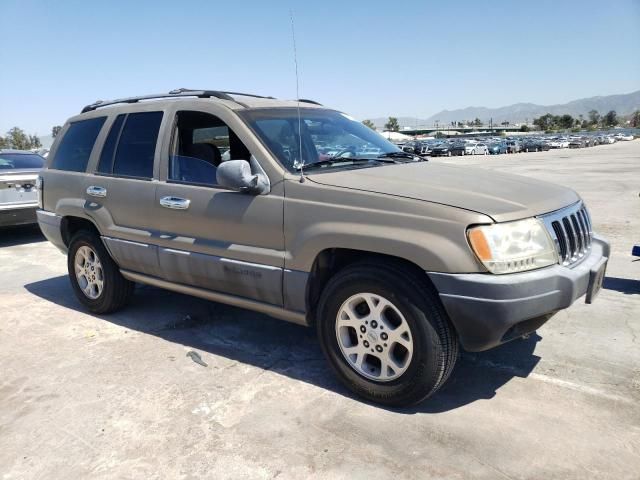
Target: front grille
[571,231]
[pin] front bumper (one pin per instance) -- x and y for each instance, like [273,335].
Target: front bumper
[488,309]
[18,215]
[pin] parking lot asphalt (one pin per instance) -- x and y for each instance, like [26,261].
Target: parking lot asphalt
[120,396]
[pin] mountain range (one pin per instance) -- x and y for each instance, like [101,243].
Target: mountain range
[623,104]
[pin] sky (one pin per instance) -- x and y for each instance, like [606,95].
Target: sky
[368,58]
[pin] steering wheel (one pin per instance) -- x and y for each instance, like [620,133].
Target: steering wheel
[346,150]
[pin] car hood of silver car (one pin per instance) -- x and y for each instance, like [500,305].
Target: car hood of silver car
[501,196]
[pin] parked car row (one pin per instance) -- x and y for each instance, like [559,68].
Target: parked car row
[500,145]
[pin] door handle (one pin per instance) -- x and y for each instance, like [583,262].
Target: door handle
[175,203]
[96,191]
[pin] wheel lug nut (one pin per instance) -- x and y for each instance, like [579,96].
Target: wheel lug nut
[378,348]
[384,335]
[366,344]
[374,324]
[363,328]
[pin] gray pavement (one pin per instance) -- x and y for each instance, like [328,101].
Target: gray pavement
[117,396]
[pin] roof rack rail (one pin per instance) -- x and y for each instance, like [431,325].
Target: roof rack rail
[248,95]
[306,100]
[179,92]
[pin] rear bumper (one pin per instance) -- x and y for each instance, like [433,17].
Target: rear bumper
[488,310]
[18,215]
[50,224]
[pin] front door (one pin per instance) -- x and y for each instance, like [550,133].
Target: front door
[208,236]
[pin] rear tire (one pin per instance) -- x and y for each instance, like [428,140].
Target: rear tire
[404,347]
[95,277]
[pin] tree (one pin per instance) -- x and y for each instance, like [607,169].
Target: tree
[524,128]
[477,122]
[18,139]
[35,141]
[56,130]
[610,119]
[369,123]
[566,121]
[594,117]
[392,125]
[635,119]
[505,124]
[545,122]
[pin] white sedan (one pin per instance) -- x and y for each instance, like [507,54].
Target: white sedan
[476,149]
[624,137]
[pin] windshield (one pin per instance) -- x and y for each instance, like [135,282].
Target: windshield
[326,134]
[12,161]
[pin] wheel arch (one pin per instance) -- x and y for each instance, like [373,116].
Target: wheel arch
[330,261]
[71,224]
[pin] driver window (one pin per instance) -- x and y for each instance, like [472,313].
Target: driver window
[201,142]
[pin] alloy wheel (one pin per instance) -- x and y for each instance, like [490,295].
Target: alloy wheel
[374,337]
[89,273]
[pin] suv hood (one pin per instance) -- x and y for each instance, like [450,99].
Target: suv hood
[501,196]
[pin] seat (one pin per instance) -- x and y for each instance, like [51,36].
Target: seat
[205,151]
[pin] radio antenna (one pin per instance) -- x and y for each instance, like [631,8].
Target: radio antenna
[295,61]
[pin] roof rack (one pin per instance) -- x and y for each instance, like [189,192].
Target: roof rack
[306,100]
[249,95]
[184,92]
[179,92]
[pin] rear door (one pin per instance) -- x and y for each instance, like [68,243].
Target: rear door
[120,194]
[211,237]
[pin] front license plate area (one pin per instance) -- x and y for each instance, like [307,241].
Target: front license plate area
[596,277]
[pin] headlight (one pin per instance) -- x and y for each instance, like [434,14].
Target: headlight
[513,246]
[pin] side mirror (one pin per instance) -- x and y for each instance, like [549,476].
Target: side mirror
[243,176]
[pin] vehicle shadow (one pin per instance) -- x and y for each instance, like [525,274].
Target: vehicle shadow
[20,235]
[622,285]
[285,348]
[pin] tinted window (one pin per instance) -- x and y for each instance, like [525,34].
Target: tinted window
[137,147]
[75,148]
[20,160]
[109,149]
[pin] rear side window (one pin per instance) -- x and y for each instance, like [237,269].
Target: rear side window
[75,147]
[17,161]
[137,147]
[109,149]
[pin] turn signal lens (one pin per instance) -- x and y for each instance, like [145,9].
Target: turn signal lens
[479,244]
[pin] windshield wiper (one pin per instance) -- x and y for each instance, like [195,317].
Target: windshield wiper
[345,160]
[398,155]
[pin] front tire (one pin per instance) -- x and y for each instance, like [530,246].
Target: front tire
[385,334]
[95,277]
